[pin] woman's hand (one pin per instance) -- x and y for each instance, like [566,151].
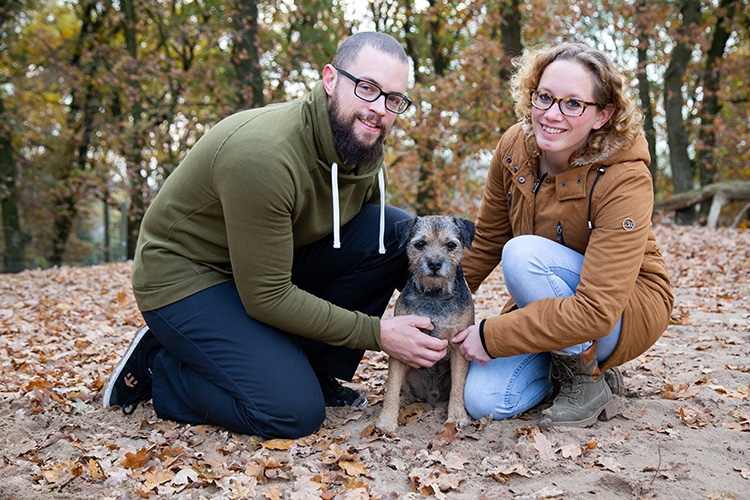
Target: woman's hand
[402,337]
[471,345]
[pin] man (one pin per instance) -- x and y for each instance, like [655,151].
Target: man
[267,259]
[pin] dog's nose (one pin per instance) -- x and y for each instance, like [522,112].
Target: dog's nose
[434,265]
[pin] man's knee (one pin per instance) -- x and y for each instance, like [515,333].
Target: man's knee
[290,421]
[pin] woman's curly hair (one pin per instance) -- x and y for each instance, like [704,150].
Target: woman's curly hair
[620,131]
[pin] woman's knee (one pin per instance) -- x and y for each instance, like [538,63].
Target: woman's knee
[507,387]
[517,258]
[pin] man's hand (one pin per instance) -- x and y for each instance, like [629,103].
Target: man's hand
[471,345]
[401,337]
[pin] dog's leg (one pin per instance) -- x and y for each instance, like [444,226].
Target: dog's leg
[388,420]
[456,408]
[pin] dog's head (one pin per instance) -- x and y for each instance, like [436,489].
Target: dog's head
[435,246]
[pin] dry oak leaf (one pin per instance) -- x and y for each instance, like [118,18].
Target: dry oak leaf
[572,451]
[352,468]
[137,459]
[500,469]
[693,417]
[277,444]
[449,434]
[608,463]
[742,425]
[433,481]
[61,473]
[410,414]
[543,447]
[681,392]
[305,488]
[273,492]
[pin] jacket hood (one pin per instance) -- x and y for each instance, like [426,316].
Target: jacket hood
[340,173]
[612,151]
[319,120]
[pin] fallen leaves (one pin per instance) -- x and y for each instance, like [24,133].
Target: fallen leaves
[62,330]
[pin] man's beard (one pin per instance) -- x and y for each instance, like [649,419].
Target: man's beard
[351,151]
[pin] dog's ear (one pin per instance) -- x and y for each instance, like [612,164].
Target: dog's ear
[403,230]
[467,230]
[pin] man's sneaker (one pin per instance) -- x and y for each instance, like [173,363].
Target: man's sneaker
[336,394]
[130,383]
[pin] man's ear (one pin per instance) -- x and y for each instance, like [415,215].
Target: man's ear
[329,79]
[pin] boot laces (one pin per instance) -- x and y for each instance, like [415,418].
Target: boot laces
[567,378]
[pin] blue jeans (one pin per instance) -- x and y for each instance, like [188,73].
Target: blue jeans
[220,366]
[533,268]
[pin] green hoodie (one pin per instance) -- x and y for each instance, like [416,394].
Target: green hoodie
[256,187]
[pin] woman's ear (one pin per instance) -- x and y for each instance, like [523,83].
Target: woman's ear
[329,79]
[604,116]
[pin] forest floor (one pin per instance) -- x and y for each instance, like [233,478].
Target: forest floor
[683,429]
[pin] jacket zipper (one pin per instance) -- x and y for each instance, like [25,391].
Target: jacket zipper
[560,238]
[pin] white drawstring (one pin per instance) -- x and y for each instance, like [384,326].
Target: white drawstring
[381,186]
[336,214]
[336,208]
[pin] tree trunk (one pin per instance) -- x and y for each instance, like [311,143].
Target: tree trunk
[80,128]
[14,255]
[677,137]
[132,148]
[644,88]
[510,34]
[706,143]
[245,55]
[720,195]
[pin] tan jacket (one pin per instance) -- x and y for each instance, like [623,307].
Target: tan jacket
[624,273]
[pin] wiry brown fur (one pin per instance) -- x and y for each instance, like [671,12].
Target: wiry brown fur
[436,288]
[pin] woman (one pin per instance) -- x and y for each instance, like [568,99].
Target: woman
[567,211]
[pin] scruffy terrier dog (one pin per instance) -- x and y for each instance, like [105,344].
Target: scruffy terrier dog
[436,288]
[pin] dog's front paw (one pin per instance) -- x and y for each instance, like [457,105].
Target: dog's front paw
[460,418]
[387,423]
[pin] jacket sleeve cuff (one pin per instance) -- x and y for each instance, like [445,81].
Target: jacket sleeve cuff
[481,336]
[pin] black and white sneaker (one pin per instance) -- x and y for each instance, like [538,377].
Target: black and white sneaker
[336,394]
[130,383]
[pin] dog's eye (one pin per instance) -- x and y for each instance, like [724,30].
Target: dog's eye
[451,245]
[419,245]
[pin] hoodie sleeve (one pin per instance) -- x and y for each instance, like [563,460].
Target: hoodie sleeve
[259,196]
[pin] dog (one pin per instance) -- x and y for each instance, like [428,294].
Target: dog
[435,288]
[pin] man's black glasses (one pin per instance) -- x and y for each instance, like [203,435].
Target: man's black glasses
[370,92]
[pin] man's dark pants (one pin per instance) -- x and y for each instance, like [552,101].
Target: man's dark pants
[222,367]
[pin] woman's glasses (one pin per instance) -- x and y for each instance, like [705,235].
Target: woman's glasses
[568,106]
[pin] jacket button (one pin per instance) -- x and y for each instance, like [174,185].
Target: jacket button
[508,159]
[521,180]
[563,184]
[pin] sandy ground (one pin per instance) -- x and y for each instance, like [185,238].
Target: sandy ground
[682,429]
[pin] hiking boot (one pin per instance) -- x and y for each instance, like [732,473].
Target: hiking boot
[130,382]
[613,376]
[584,394]
[335,394]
